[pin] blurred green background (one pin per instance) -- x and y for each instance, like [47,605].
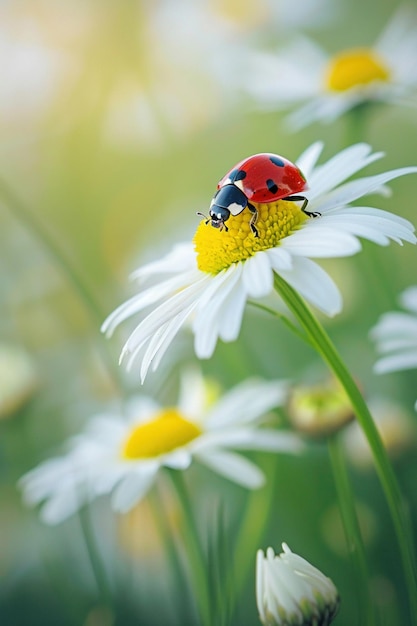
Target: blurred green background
[117,119]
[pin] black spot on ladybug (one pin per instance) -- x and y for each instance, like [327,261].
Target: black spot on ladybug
[277,161]
[237,175]
[272,187]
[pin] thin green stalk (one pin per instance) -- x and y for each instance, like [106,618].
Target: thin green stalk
[322,343]
[93,309]
[252,526]
[283,319]
[95,558]
[95,313]
[195,552]
[357,123]
[162,523]
[357,130]
[352,530]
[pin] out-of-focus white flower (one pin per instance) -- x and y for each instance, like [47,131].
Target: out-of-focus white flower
[291,592]
[327,86]
[18,379]
[396,428]
[187,53]
[122,454]
[208,282]
[395,336]
[32,70]
[256,17]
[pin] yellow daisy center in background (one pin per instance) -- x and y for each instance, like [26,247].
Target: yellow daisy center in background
[167,431]
[355,67]
[217,250]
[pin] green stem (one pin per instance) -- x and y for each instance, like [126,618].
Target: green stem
[322,343]
[357,122]
[252,526]
[192,544]
[283,319]
[94,556]
[352,530]
[165,532]
[94,311]
[357,125]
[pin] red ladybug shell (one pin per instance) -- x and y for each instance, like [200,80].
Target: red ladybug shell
[265,177]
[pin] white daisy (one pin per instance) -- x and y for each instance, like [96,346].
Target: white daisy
[327,86]
[121,455]
[209,282]
[395,336]
[290,591]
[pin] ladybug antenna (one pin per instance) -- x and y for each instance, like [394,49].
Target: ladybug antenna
[205,216]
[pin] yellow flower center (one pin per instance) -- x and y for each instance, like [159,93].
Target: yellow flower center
[217,250]
[354,68]
[167,431]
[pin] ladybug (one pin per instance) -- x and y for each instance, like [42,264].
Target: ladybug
[263,177]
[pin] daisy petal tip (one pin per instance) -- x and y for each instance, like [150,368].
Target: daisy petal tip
[105,329]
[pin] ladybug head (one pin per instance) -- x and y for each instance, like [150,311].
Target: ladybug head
[218,216]
[228,200]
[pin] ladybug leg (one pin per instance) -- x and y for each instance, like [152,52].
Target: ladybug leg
[254,219]
[303,207]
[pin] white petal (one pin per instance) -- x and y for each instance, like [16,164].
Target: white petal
[408,299]
[279,258]
[179,260]
[318,240]
[396,362]
[308,159]
[231,313]
[165,312]
[360,187]
[146,298]
[260,439]
[260,586]
[193,391]
[134,486]
[266,73]
[62,504]
[161,341]
[324,108]
[268,440]
[394,324]
[257,276]
[247,402]
[207,321]
[340,167]
[178,459]
[372,224]
[234,467]
[312,282]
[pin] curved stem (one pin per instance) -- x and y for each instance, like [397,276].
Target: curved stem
[357,122]
[95,557]
[156,500]
[192,544]
[322,343]
[352,530]
[283,318]
[93,309]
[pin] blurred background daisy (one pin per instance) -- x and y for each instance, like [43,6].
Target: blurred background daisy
[322,87]
[117,120]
